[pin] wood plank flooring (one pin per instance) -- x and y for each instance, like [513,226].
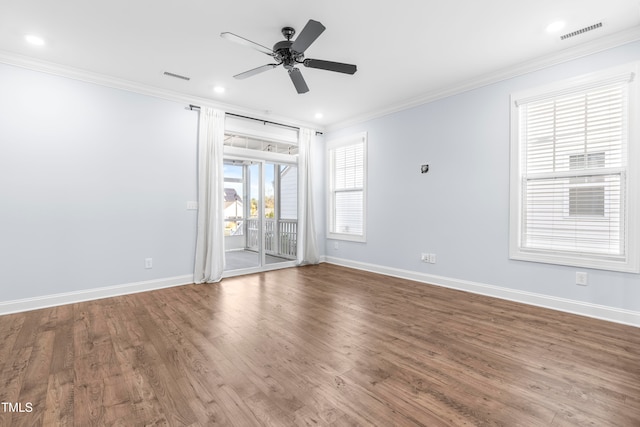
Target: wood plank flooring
[315,346]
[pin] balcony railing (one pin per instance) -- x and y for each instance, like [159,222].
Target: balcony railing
[280,237]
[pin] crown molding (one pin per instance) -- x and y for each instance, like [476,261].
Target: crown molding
[35,64]
[565,55]
[546,61]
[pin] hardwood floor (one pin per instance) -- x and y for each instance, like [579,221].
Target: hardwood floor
[319,345]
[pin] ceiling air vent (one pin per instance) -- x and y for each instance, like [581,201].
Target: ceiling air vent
[581,31]
[177,76]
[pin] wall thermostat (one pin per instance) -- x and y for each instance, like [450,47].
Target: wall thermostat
[424,168]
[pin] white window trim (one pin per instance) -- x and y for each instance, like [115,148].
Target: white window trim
[631,263]
[349,140]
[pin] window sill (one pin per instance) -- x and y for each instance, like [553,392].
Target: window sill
[608,263]
[347,237]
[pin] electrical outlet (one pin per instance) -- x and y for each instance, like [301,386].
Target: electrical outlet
[581,278]
[428,258]
[192,206]
[148,263]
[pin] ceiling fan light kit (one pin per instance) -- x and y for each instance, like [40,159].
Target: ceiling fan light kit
[289,53]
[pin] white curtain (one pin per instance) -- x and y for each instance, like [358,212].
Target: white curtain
[209,262]
[307,245]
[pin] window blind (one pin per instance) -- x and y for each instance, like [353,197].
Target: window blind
[573,170]
[347,189]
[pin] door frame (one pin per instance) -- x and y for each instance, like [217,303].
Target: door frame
[261,157]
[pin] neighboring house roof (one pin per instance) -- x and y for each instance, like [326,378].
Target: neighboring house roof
[231,195]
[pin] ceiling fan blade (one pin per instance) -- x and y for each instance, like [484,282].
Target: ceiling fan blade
[308,35]
[298,80]
[255,71]
[338,67]
[248,43]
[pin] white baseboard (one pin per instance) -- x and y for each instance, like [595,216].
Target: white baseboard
[602,312]
[46,301]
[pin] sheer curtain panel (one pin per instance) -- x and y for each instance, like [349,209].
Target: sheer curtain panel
[307,245]
[209,261]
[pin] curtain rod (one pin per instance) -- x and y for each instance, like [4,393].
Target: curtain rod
[197,107]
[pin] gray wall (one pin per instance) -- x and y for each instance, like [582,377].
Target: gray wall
[93,180]
[460,209]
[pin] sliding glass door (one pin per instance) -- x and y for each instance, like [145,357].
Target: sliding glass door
[260,214]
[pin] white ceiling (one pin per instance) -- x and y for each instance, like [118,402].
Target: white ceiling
[407,51]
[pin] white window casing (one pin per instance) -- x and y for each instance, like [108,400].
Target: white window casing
[575,163]
[347,172]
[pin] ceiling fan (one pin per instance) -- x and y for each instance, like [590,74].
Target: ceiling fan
[289,53]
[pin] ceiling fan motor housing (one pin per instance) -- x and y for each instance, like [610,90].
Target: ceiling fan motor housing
[287,56]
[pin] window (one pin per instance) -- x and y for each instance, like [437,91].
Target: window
[574,173]
[233,198]
[347,188]
[585,198]
[251,143]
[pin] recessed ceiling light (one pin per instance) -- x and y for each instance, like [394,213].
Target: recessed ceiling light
[319,115]
[555,26]
[34,40]
[219,89]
